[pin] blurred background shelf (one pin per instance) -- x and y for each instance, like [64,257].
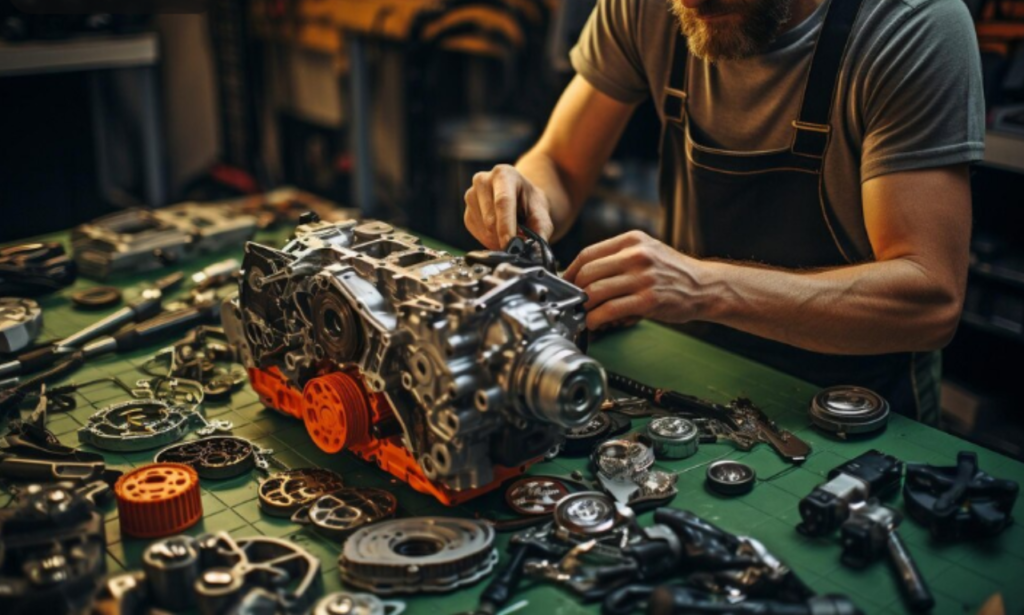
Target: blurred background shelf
[78,54]
[1004,150]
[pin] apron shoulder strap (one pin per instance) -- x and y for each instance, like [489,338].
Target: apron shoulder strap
[812,128]
[674,103]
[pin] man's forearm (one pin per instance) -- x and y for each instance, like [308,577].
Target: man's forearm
[888,306]
[542,171]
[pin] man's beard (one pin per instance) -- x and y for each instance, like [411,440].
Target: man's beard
[756,26]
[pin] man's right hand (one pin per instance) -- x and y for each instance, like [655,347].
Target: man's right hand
[496,200]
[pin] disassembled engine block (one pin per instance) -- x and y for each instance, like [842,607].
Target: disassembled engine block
[451,373]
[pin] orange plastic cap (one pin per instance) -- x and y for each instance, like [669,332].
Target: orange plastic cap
[161,499]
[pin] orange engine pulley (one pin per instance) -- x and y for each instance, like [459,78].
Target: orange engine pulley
[336,411]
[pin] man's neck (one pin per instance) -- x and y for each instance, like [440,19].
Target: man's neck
[799,10]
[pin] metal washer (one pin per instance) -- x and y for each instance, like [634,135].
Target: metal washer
[284,493]
[730,477]
[848,409]
[673,437]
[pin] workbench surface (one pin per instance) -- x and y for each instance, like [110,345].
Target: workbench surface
[962,576]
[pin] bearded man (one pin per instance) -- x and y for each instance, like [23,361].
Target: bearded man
[814,172]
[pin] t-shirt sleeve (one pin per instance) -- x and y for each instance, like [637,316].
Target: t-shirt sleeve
[607,55]
[924,103]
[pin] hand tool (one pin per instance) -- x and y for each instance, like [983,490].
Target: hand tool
[144,308]
[741,422]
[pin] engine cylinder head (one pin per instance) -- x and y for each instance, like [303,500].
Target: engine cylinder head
[559,384]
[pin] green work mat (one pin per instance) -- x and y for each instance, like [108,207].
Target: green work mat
[962,576]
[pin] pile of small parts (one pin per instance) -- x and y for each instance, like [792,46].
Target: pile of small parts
[453,374]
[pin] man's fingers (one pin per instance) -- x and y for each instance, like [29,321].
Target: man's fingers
[617,309]
[505,193]
[485,199]
[609,288]
[609,266]
[475,224]
[601,250]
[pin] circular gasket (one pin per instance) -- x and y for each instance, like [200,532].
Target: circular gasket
[419,554]
[136,425]
[730,477]
[587,513]
[214,458]
[347,510]
[535,495]
[97,297]
[847,409]
[284,493]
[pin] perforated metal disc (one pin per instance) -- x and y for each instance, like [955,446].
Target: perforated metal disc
[216,458]
[346,510]
[284,493]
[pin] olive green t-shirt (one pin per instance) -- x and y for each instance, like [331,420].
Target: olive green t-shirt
[909,94]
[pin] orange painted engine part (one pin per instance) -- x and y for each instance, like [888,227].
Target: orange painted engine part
[339,413]
[160,499]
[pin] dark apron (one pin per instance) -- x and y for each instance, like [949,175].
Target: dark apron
[770,207]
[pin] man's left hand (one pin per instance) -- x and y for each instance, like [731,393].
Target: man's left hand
[635,276]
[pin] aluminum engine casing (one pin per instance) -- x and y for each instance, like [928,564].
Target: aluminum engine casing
[477,364]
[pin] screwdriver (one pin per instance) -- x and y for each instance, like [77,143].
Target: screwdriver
[144,308]
[145,333]
[131,337]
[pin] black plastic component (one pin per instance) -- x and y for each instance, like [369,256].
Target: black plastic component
[869,534]
[959,502]
[722,562]
[53,550]
[35,269]
[882,472]
[669,600]
[730,477]
[872,474]
[501,588]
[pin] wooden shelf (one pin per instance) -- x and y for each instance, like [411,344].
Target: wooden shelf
[78,54]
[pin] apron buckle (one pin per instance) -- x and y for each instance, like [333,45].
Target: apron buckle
[810,139]
[675,105]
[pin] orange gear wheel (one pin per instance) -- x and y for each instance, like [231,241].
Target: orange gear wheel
[157,500]
[336,412]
